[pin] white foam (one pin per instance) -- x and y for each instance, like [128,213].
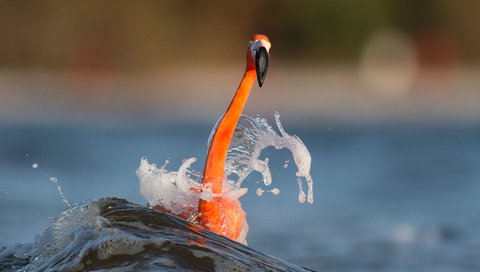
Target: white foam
[172,190]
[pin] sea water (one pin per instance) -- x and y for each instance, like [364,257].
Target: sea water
[112,234]
[395,196]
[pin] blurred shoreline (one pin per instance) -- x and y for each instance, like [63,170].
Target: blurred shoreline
[189,93]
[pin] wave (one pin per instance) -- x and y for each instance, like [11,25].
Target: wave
[117,235]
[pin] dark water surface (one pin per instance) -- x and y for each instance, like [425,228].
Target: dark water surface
[387,198]
[115,235]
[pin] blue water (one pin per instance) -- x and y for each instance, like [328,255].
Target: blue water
[387,197]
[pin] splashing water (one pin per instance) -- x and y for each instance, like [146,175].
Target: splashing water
[59,189]
[253,135]
[169,189]
[274,191]
[179,192]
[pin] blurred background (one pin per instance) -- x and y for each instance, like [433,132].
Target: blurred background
[386,94]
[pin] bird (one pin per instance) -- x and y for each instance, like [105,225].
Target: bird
[221,214]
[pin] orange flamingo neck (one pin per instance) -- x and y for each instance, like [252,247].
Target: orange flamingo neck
[224,215]
[213,174]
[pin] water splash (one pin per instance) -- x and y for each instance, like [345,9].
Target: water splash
[274,191]
[175,191]
[178,192]
[260,191]
[253,135]
[59,189]
[301,157]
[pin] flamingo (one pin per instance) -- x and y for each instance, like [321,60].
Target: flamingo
[221,214]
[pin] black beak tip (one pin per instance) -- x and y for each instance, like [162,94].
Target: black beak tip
[261,65]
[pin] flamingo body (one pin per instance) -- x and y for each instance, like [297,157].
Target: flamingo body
[222,214]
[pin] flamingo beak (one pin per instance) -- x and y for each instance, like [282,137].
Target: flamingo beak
[261,64]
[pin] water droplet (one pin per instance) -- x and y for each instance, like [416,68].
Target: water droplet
[35,166]
[59,189]
[275,191]
[260,191]
[301,197]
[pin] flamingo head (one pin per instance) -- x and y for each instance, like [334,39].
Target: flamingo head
[257,56]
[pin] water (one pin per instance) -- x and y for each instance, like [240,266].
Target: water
[389,198]
[115,235]
[179,192]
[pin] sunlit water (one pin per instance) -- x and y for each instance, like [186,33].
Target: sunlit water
[401,197]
